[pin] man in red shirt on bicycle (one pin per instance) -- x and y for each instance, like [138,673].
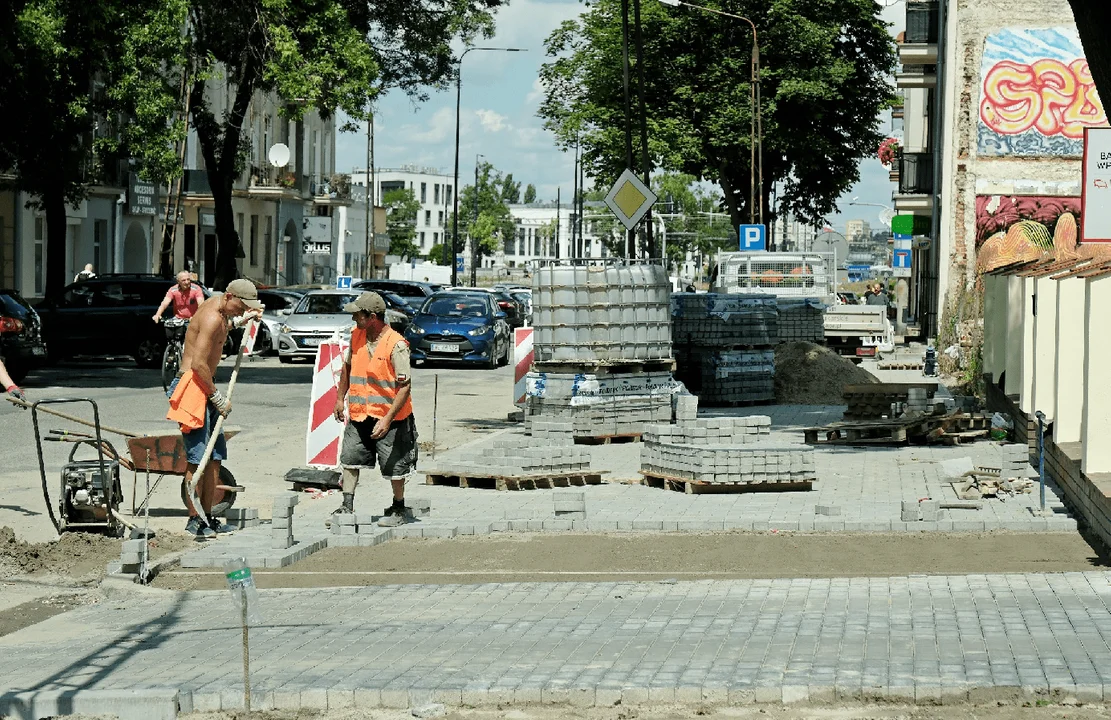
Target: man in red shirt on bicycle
[184,296]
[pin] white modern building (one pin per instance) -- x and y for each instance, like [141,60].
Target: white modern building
[858,231]
[546,231]
[432,188]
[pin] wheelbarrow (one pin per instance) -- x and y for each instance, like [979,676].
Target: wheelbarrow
[160,455]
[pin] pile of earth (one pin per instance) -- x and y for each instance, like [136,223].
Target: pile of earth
[809,374]
[73,555]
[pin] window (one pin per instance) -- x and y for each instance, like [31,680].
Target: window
[521,246]
[447,194]
[427,218]
[422,240]
[510,246]
[254,240]
[40,249]
[436,194]
[239,228]
[435,238]
[440,222]
[424,192]
[100,239]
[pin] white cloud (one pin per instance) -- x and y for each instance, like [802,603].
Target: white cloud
[492,121]
[536,94]
[439,128]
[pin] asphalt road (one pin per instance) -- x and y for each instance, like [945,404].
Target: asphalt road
[270,405]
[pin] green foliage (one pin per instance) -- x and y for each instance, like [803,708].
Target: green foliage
[530,194]
[402,210]
[686,210]
[825,79]
[492,223]
[510,191]
[439,254]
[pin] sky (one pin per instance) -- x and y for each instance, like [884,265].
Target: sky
[500,96]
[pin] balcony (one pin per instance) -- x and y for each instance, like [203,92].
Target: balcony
[914,75]
[916,174]
[897,105]
[922,23]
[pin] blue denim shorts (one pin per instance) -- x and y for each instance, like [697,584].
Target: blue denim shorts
[197,440]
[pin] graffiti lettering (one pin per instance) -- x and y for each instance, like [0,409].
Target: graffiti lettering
[1049,96]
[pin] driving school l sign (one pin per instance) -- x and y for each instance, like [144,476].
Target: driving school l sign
[1095,207]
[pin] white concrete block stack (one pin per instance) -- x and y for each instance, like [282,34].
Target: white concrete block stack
[917,402]
[684,407]
[550,451]
[282,522]
[131,555]
[1016,461]
[725,451]
[242,517]
[570,504]
[601,405]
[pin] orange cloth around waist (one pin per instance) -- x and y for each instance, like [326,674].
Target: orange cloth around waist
[188,403]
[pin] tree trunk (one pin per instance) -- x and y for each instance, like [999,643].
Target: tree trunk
[731,204]
[54,204]
[227,237]
[1092,18]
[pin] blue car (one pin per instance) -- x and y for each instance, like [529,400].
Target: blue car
[459,327]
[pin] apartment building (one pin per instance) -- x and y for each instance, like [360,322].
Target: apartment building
[432,188]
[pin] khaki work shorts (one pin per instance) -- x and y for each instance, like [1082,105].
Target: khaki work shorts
[395,453]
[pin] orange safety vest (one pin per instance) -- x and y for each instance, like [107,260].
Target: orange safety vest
[373,380]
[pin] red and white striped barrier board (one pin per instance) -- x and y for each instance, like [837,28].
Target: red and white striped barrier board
[322,440]
[522,363]
[250,334]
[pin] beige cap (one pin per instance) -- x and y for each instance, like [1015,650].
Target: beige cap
[368,302]
[246,291]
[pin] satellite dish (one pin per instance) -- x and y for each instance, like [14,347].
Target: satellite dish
[886,215]
[278,155]
[829,240]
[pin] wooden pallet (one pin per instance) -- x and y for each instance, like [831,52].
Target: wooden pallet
[615,367]
[515,482]
[607,439]
[733,403]
[953,429]
[899,366]
[695,487]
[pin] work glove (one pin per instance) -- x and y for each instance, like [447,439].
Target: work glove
[220,402]
[15,392]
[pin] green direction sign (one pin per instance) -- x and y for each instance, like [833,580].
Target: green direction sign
[910,225]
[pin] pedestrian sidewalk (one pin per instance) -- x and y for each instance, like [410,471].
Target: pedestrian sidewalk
[923,639]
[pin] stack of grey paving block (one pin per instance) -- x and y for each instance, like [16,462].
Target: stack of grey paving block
[684,407]
[520,456]
[801,320]
[282,522]
[921,511]
[917,402]
[131,555]
[352,524]
[1016,461]
[570,504]
[723,320]
[602,417]
[730,377]
[242,518]
[725,451]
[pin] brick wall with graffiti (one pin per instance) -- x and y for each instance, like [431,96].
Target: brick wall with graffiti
[1037,94]
[1014,229]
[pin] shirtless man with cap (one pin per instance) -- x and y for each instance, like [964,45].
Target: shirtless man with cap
[195,400]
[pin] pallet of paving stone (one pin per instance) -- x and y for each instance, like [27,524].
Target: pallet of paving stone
[865,402]
[695,487]
[605,367]
[955,428]
[899,366]
[515,482]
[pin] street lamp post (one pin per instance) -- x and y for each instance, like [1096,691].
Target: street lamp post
[455,189]
[474,219]
[756,122]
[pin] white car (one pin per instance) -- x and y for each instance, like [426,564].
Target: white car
[316,318]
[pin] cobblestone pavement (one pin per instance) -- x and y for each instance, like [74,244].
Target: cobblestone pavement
[909,638]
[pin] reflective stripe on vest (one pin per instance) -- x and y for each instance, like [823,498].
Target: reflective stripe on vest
[373,381]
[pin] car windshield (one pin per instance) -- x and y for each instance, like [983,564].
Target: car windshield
[458,306]
[330,304]
[393,299]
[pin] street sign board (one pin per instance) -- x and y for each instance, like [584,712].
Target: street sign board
[901,255]
[753,237]
[343,282]
[460,264]
[142,196]
[1095,197]
[629,199]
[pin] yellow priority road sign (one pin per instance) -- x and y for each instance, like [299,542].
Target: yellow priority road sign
[629,199]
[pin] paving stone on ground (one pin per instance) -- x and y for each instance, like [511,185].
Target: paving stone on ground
[915,637]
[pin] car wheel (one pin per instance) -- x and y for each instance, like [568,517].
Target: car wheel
[505,355]
[171,363]
[492,363]
[149,354]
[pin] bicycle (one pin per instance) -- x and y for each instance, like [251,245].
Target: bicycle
[175,345]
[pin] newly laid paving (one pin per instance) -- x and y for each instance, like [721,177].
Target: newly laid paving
[912,638]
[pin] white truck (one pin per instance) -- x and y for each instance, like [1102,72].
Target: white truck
[855,330]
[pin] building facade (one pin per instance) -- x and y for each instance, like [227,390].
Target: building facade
[433,189]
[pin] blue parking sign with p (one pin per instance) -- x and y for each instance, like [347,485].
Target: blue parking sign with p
[753,237]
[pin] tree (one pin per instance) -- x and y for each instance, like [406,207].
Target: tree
[402,210]
[530,194]
[326,55]
[439,254]
[683,207]
[81,93]
[1091,16]
[510,191]
[493,222]
[826,68]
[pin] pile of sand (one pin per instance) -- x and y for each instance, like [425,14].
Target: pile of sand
[809,374]
[73,554]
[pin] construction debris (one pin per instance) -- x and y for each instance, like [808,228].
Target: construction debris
[950,429]
[890,400]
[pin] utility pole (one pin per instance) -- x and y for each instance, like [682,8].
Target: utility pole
[574,203]
[631,241]
[571,252]
[645,167]
[369,200]
[474,221]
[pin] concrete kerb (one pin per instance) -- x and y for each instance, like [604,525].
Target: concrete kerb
[158,703]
